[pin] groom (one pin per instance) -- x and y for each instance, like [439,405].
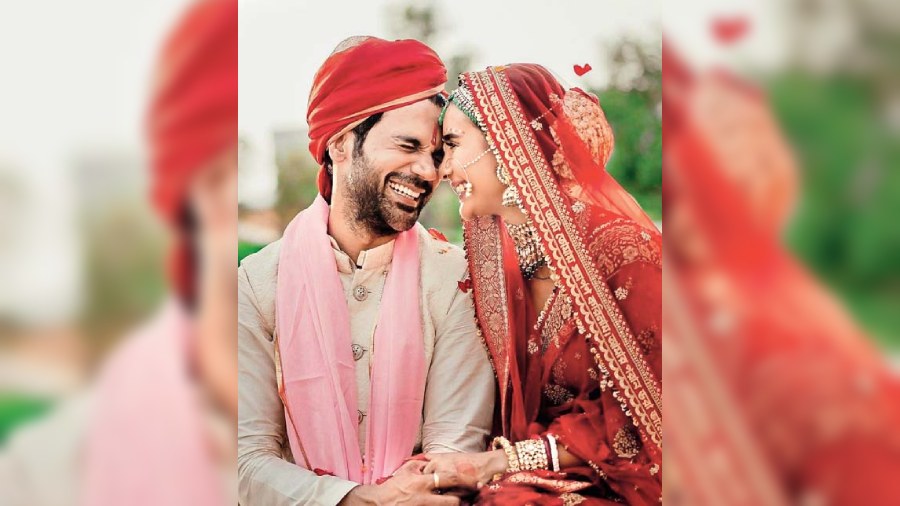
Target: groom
[357,347]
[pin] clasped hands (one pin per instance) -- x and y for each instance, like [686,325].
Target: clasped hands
[432,479]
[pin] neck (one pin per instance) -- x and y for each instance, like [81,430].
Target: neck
[350,237]
[512,215]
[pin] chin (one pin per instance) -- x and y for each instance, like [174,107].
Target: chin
[403,224]
[466,212]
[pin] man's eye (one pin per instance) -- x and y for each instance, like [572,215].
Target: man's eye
[408,148]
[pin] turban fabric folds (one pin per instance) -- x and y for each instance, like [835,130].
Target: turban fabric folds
[365,77]
[192,115]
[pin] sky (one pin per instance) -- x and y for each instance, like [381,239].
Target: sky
[75,81]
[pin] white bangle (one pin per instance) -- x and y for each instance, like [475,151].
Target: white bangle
[554,452]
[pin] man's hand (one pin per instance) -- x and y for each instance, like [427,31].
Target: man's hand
[473,468]
[408,488]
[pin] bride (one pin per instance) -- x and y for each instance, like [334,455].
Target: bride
[566,275]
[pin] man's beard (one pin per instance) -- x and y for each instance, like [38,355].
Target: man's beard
[371,209]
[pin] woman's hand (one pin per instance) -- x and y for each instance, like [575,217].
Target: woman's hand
[477,468]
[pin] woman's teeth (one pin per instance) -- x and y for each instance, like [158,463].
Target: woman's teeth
[460,190]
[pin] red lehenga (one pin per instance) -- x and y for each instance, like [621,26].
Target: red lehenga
[587,368]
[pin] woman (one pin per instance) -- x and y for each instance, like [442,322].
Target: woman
[566,272]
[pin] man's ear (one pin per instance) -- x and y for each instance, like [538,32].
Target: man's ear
[339,148]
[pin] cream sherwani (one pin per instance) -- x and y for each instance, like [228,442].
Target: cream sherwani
[459,392]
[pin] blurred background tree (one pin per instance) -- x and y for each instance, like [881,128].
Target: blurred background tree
[633,105]
[838,102]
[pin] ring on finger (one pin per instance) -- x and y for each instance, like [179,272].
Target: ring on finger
[437,480]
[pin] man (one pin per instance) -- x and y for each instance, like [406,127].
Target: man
[156,426]
[357,347]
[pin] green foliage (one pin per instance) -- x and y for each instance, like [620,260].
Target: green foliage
[636,162]
[844,226]
[246,248]
[17,410]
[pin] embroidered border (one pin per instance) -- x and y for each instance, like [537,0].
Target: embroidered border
[614,344]
[484,252]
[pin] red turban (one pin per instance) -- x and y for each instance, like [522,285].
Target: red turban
[193,111]
[368,76]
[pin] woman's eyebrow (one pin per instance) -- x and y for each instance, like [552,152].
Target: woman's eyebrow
[450,136]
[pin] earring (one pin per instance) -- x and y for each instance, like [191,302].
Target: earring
[467,186]
[510,197]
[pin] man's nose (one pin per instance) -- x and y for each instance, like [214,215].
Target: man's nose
[424,168]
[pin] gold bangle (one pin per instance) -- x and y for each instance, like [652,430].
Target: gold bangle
[512,458]
[532,455]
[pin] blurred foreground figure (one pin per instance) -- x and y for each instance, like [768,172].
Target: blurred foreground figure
[158,425]
[775,396]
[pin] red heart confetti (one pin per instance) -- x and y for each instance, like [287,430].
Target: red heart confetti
[730,30]
[437,234]
[582,70]
[466,285]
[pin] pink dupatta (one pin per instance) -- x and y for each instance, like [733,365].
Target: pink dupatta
[317,379]
[147,444]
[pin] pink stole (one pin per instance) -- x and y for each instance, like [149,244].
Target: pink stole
[317,378]
[148,444]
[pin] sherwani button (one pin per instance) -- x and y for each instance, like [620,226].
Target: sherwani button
[358,352]
[360,293]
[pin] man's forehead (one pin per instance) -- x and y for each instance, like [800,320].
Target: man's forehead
[424,111]
[418,125]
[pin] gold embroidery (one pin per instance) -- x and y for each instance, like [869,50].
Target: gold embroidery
[557,315]
[559,371]
[557,395]
[571,499]
[590,123]
[626,443]
[533,347]
[618,242]
[532,479]
[598,314]
[622,291]
[645,338]
[482,239]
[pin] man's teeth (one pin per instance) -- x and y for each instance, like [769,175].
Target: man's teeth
[403,190]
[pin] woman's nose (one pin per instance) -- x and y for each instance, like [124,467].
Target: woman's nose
[444,169]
